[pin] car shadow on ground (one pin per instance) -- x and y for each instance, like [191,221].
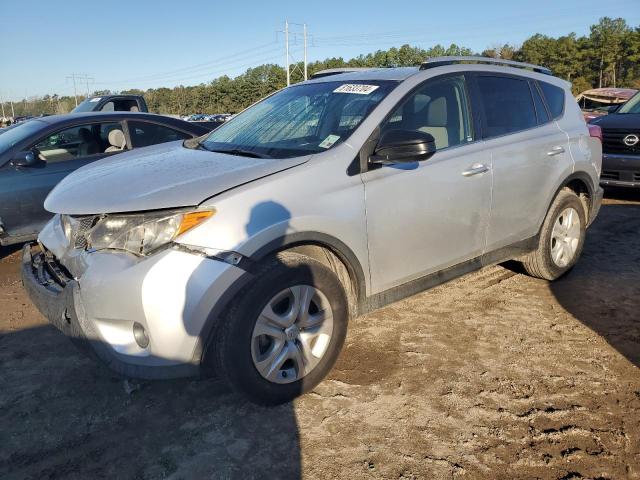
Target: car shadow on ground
[603,290]
[65,416]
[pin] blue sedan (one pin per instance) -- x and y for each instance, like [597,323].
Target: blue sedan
[35,155]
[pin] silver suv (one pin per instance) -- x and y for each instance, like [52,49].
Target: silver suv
[247,251]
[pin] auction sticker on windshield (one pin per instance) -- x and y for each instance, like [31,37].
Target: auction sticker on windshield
[356,88]
[330,140]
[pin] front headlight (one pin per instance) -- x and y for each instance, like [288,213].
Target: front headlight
[142,233]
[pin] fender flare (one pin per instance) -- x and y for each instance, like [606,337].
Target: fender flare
[585,178]
[336,246]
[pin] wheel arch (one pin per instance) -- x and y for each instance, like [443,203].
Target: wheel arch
[328,250]
[321,247]
[582,185]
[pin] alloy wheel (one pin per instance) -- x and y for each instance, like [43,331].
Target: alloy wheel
[565,237]
[292,334]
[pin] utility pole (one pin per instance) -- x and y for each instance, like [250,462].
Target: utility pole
[13,114]
[304,25]
[80,78]
[75,92]
[286,50]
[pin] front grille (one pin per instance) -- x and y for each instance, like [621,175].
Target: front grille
[613,141]
[636,177]
[49,272]
[610,175]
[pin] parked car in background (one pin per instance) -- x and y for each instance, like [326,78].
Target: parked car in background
[113,103]
[601,101]
[248,251]
[621,145]
[210,122]
[37,154]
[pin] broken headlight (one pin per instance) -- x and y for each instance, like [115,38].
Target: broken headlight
[142,233]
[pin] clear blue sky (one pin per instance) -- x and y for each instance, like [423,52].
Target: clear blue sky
[145,43]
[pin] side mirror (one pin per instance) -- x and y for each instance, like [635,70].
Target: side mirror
[24,159]
[401,146]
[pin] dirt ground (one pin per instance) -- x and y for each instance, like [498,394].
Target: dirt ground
[495,375]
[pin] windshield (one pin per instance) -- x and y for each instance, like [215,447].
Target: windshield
[20,132]
[632,106]
[299,120]
[87,106]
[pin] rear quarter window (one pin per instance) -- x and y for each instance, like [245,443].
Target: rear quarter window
[541,111]
[554,97]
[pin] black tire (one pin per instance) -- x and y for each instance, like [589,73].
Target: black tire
[539,263]
[231,343]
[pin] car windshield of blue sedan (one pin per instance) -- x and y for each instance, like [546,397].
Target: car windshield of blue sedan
[300,120]
[20,132]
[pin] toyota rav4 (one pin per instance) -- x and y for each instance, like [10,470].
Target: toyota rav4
[247,251]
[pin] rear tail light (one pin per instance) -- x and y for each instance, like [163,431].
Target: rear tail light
[595,131]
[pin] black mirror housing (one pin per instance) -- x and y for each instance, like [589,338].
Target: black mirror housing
[24,159]
[402,146]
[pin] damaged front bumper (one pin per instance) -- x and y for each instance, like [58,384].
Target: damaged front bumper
[170,295]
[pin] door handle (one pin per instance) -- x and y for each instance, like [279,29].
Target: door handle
[555,151]
[475,169]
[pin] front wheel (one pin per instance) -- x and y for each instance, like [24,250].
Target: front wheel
[284,331]
[561,238]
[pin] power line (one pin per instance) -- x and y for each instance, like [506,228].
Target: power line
[194,68]
[229,66]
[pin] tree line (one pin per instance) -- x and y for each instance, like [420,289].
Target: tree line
[609,56]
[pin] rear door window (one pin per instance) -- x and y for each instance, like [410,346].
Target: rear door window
[144,134]
[507,104]
[554,97]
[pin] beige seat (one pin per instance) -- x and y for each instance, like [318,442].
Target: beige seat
[117,141]
[436,124]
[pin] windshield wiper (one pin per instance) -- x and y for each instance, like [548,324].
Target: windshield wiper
[194,143]
[240,152]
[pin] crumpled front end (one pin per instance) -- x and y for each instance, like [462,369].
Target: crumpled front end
[144,316]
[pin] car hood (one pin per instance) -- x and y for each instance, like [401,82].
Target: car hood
[162,176]
[618,120]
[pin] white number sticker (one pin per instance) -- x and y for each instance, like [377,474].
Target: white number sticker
[329,141]
[356,88]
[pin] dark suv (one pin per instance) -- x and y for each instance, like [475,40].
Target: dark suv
[621,145]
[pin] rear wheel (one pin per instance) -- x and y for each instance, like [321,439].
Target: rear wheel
[561,238]
[284,331]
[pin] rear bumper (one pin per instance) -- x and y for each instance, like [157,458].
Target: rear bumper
[620,170]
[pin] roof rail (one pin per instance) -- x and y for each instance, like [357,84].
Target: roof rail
[337,71]
[441,61]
